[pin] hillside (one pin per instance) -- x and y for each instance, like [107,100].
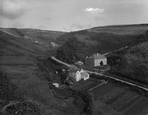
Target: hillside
[23,90]
[78,45]
[121,29]
[134,63]
[42,37]
[134,29]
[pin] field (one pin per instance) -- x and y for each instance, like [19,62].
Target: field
[102,90]
[138,108]
[119,99]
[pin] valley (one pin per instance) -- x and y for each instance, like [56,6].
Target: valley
[25,64]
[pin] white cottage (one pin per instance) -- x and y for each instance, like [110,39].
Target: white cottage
[78,75]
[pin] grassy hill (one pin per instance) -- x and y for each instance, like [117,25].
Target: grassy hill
[22,86]
[78,45]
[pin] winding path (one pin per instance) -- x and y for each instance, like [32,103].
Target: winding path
[61,62]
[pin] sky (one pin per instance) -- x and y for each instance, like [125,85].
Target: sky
[71,15]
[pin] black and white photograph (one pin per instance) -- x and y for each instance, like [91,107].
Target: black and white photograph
[73,57]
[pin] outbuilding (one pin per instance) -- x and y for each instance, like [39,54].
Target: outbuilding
[96,60]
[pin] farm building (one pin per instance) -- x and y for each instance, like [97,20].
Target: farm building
[79,63]
[96,60]
[78,74]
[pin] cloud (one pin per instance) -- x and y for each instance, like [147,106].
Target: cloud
[12,9]
[79,26]
[98,18]
[94,10]
[47,18]
[42,27]
[66,29]
[18,25]
[76,25]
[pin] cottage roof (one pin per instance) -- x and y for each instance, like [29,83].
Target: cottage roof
[97,56]
[84,73]
[74,69]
